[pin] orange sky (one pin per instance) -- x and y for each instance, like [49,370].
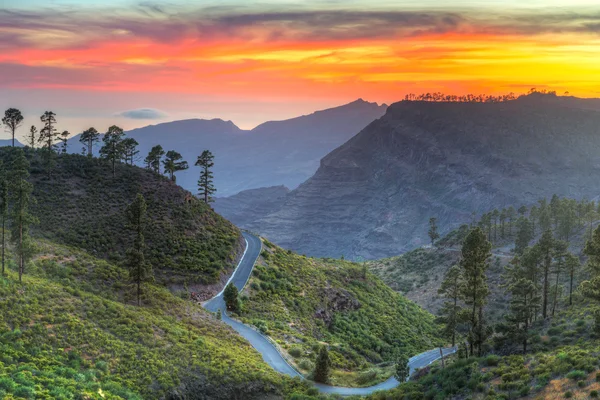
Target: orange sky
[243,65]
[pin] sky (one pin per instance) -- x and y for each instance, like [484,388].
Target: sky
[134,63]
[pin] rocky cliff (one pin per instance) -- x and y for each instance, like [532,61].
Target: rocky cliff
[373,196]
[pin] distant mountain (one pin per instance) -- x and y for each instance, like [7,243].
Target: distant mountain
[8,142]
[242,208]
[274,153]
[373,196]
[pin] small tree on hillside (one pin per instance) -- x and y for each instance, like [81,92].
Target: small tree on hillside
[546,245]
[112,149]
[476,251]
[89,138]
[205,184]
[173,163]
[524,235]
[64,138]
[3,209]
[523,305]
[21,219]
[322,366]
[572,265]
[47,137]
[402,371]
[510,214]
[31,139]
[130,150]
[139,270]
[450,290]
[433,230]
[154,158]
[231,297]
[12,119]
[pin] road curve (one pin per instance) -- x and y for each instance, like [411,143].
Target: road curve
[269,352]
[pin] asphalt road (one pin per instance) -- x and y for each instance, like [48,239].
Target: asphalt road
[268,351]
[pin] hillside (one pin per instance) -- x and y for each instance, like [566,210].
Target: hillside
[65,333]
[304,302]
[83,205]
[241,208]
[373,196]
[274,153]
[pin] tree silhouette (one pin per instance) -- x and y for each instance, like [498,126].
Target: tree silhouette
[154,158]
[32,139]
[89,137]
[47,137]
[64,137]
[322,366]
[130,151]
[12,119]
[173,163]
[450,290]
[205,184]
[112,149]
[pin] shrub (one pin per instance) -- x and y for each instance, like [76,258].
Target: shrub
[594,394]
[568,394]
[295,352]
[576,375]
[492,360]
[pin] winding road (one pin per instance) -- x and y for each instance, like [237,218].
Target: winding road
[269,352]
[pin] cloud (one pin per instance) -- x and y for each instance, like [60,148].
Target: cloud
[143,113]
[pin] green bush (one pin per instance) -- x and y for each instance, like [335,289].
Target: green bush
[576,375]
[492,360]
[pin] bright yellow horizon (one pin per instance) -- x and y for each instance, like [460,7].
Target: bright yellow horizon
[243,61]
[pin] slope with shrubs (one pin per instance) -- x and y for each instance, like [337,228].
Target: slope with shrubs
[303,303]
[83,205]
[65,333]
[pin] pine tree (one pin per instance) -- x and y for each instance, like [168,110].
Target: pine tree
[572,265]
[12,119]
[450,290]
[524,235]
[402,371]
[231,297]
[139,270]
[205,184]
[21,219]
[523,304]
[130,151]
[502,220]
[534,214]
[510,214]
[522,211]
[3,210]
[174,162]
[112,149]
[322,366]
[433,230]
[89,138]
[560,254]
[32,139]
[64,137]
[154,158]
[476,251]
[48,136]
[591,287]
[546,246]
[495,215]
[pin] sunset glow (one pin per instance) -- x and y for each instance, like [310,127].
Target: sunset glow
[148,54]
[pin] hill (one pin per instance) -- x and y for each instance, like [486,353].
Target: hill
[83,205]
[242,207]
[373,196]
[274,153]
[302,303]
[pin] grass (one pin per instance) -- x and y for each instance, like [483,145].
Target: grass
[303,303]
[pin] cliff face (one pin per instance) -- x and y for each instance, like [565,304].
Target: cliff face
[373,196]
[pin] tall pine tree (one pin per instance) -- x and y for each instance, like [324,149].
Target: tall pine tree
[12,119]
[206,187]
[89,138]
[450,290]
[139,270]
[476,251]
[112,150]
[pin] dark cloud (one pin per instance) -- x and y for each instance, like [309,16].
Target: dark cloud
[165,22]
[143,113]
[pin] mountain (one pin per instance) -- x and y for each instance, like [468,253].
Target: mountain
[274,153]
[241,208]
[373,196]
[83,205]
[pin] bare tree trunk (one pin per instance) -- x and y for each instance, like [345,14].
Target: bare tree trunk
[442,357]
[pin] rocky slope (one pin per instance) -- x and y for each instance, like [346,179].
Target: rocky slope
[274,153]
[373,196]
[242,207]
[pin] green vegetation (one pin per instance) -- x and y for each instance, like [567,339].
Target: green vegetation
[65,331]
[205,184]
[305,303]
[82,205]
